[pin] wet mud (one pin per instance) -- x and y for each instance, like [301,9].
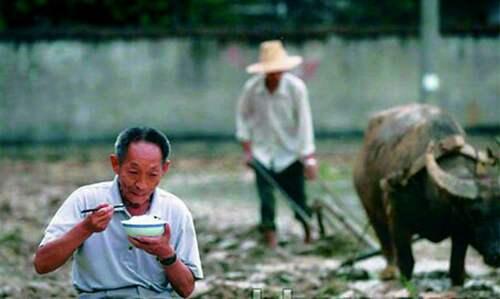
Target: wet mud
[220,193]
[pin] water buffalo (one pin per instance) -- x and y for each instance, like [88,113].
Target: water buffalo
[415,175]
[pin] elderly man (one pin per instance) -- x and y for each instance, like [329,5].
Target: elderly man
[274,125]
[107,263]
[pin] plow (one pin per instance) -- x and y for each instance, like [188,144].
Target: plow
[329,215]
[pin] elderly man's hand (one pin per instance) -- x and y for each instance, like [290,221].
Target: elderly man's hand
[99,220]
[158,246]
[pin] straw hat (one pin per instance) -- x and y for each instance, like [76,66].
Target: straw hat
[273,58]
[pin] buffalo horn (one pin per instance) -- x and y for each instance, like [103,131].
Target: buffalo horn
[463,188]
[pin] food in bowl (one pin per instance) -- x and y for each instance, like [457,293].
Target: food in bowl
[144,226]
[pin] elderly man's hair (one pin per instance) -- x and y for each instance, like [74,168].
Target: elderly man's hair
[135,134]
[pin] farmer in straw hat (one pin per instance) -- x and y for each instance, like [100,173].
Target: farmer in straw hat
[274,125]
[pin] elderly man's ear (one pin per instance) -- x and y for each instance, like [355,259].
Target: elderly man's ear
[115,163]
[165,166]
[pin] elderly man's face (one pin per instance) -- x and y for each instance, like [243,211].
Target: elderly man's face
[140,172]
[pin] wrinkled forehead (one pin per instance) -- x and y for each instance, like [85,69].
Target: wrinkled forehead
[144,153]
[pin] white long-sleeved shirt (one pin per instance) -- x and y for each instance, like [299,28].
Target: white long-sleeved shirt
[278,125]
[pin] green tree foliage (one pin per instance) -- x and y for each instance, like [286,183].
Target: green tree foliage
[379,13]
[102,13]
[250,14]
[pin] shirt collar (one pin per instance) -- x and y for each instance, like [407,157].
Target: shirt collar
[116,198]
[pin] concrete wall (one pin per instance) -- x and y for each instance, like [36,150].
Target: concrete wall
[69,90]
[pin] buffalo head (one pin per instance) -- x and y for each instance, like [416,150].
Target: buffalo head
[476,197]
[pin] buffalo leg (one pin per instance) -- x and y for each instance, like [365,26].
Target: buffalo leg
[382,232]
[384,237]
[402,240]
[457,260]
[373,203]
[402,246]
[378,219]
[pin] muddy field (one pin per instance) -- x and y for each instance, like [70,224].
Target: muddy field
[219,191]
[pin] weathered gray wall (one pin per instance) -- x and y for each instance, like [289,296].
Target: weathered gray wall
[79,91]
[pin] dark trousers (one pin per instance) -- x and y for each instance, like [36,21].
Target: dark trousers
[292,181]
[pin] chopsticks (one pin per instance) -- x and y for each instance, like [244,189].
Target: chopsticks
[95,209]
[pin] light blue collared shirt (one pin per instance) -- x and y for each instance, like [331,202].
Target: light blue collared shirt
[106,260]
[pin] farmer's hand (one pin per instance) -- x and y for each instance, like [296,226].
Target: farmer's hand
[310,168]
[248,158]
[247,151]
[158,246]
[98,221]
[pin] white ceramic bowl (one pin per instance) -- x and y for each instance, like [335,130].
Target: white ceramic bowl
[144,226]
